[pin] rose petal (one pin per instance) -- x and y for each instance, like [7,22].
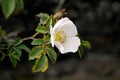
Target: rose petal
[71,45]
[66,25]
[69,29]
[60,22]
[52,36]
[59,46]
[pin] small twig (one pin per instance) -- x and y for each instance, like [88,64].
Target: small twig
[28,38]
[35,34]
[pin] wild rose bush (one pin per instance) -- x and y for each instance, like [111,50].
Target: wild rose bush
[61,33]
[52,31]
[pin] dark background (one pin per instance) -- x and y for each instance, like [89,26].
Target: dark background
[98,21]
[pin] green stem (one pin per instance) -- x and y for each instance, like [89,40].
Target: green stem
[30,38]
[35,34]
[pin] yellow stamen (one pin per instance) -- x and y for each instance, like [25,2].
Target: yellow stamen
[60,36]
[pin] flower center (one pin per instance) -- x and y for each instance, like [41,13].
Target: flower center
[60,36]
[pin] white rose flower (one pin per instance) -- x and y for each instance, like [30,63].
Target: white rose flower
[63,36]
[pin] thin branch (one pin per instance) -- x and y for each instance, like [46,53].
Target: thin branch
[35,34]
[28,38]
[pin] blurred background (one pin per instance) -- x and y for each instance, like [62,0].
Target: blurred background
[98,21]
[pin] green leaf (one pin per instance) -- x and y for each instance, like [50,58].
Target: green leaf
[35,52]
[13,61]
[42,29]
[13,57]
[45,67]
[43,18]
[18,51]
[86,44]
[17,42]
[52,54]
[20,4]
[23,47]
[37,42]
[8,7]
[81,51]
[9,44]
[47,38]
[49,21]
[43,15]
[13,54]
[40,63]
